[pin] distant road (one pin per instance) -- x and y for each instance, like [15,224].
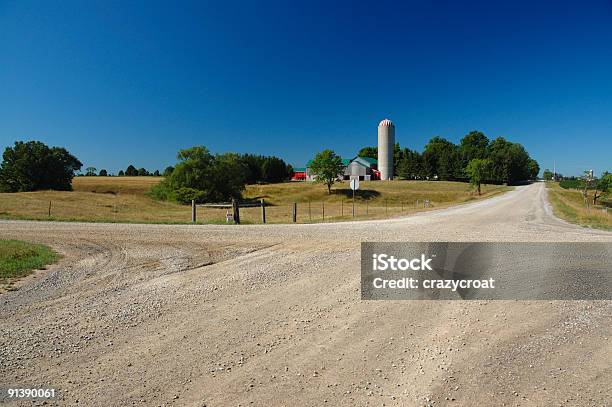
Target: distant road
[271,315]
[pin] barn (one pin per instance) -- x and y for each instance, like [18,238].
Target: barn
[299,174]
[361,168]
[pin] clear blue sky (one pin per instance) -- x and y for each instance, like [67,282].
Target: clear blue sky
[126,82]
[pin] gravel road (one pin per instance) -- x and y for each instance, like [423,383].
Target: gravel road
[270,315]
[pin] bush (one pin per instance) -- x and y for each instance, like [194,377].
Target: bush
[186,195]
[571,183]
[202,176]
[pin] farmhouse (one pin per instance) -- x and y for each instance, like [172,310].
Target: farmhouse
[361,168]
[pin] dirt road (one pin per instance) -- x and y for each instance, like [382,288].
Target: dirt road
[271,315]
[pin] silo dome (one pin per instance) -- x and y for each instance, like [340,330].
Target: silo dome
[386,123]
[386,142]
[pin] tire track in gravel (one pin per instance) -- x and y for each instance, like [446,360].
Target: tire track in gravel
[272,315]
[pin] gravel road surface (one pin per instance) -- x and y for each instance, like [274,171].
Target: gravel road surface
[270,315]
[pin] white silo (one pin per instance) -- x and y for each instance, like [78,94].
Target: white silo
[386,141]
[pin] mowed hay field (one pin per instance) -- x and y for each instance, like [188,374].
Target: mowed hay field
[125,199]
[569,204]
[95,199]
[373,200]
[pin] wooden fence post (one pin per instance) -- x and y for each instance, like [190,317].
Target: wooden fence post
[236,211]
[386,207]
[49,208]
[193,211]
[294,212]
[263,211]
[309,212]
[342,208]
[367,204]
[323,207]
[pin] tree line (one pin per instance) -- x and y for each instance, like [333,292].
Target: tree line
[502,161]
[601,187]
[199,174]
[130,171]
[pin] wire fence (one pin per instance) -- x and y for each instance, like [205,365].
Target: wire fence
[308,212]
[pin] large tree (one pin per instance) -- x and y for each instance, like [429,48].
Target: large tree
[32,166]
[473,145]
[477,170]
[603,186]
[371,152]
[509,161]
[410,166]
[274,170]
[253,165]
[533,168]
[268,169]
[131,171]
[327,167]
[440,159]
[203,176]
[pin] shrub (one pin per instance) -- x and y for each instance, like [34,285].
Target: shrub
[186,195]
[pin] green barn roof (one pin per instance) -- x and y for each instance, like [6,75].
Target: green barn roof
[370,160]
[347,161]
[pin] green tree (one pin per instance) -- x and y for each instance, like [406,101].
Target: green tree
[477,170]
[603,186]
[440,159]
[103,173]
[202,176]
[547,174]
[371,152]
[327,167]
[533,168]
[229,179]
[120,173]
[131,171]
[473,145]
[410,165]
[274,170]
[32,166]
[168,170]
[90,171]
[156,173]
[509,161]
[142,172]
[253,165]
[290,171]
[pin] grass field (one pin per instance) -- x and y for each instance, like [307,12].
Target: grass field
[18,259]
[569,204]
[124,199]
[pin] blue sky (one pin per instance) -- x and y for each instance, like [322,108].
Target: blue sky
[121,83]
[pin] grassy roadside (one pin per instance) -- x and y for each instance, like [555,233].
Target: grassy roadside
[125,200]
[18,259]
[569,205]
